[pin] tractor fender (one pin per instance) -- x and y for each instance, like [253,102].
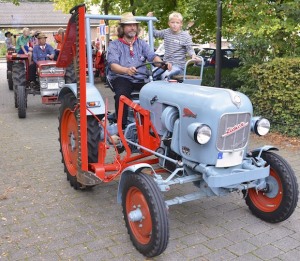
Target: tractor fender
[92,95]
[264,148]
[134,168]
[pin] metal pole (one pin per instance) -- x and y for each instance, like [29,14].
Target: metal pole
[218,65]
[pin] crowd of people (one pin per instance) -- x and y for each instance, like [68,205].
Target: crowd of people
[33,43]
[124,55]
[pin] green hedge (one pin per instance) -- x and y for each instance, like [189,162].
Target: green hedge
[274,89]
[2,49]
[228,77]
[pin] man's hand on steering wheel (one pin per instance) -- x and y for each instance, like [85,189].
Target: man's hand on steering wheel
[166,66]
[131,71]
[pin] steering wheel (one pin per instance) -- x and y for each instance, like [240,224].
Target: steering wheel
[164,67]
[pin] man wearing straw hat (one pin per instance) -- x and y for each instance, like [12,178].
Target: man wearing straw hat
[123,56]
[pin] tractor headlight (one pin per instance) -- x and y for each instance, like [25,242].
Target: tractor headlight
[260,126]
[43,84]
[61,83]
[200,133]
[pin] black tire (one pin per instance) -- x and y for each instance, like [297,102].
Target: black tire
[150,234]
[22,101]
[68,138]
[70,76]
[18,78]
[9,76]
[93,138]
[280,200]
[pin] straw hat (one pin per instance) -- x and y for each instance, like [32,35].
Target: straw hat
[128,18]
[41,35]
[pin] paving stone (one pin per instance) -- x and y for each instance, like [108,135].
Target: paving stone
[221,254]
[268,252]
[241,248]
[286,244]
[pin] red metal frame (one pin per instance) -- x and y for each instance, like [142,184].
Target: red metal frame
[82,89]
[147,137]
[50,100]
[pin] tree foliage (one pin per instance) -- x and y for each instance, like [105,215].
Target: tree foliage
[262,30]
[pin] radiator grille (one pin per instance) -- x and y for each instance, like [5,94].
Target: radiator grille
[233,131]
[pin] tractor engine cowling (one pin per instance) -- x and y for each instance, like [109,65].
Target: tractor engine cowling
[179,110]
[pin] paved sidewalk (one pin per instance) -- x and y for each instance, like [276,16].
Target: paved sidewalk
[43,218]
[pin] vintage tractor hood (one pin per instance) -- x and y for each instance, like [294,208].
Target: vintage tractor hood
[187,95]
[174,107]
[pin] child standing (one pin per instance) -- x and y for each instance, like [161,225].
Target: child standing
[8,41]
[177,44]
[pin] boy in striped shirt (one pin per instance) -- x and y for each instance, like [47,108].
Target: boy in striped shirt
[177,44]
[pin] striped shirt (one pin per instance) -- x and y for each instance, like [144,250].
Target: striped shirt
[177,45]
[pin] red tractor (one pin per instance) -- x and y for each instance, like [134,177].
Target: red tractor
[199,140]
[49,78]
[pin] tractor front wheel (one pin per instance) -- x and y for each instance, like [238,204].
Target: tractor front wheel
[22,101]
[278,201]
[69,139]
[145,214]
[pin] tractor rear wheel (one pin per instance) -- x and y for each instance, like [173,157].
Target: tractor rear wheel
[145,214]
[278,201]
[9,76]
[69,139]
[70,76]
[18,78]
[22,101]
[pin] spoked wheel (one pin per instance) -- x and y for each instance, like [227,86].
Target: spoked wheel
[145,214]
[22,101]
[279,200]
[69,146]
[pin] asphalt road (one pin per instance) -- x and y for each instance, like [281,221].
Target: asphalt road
[43,218]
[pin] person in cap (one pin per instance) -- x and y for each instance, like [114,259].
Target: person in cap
[8,41]
[41,52]
[123,56]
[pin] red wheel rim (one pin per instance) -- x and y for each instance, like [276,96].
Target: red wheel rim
[69,141]
[141,229]
[261,200]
